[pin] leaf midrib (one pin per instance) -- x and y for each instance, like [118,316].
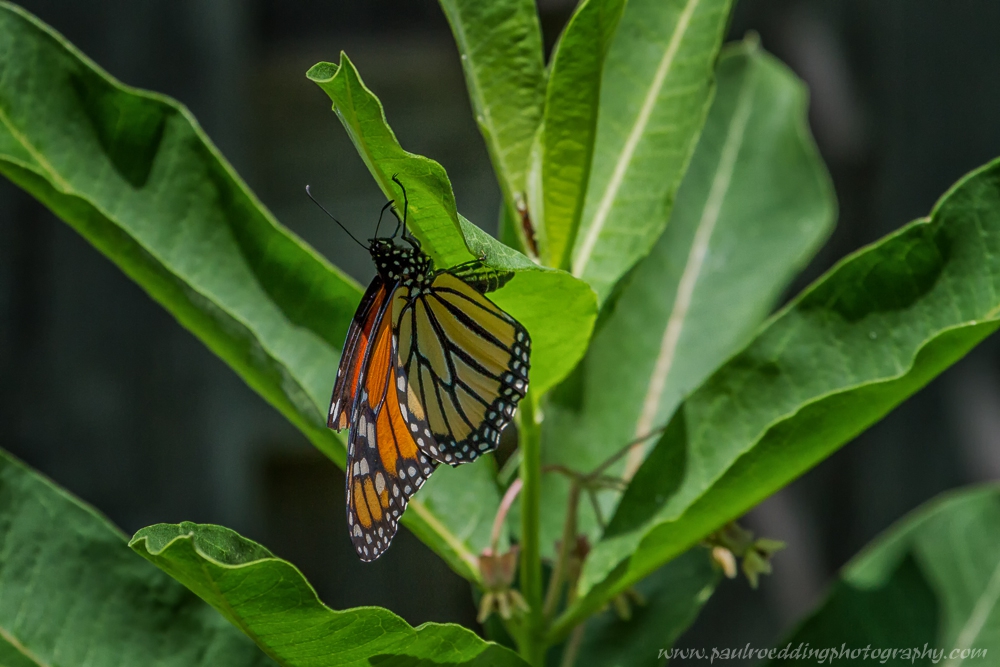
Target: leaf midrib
[35,154]
[625,157]
[981,611]
[21,648]
[694,265]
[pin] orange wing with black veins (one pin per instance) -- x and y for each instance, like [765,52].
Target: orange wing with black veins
[384,464]
[359,335]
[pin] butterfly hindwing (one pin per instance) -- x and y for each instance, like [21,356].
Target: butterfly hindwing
[464,364]
[369,312]
[385,466]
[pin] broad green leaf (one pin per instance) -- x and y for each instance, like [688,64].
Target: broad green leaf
[565,140]
[133,173]
[557,309]
[655,92]
[270,600]
[932,579]
[432,215]
[72,593]
[755,205]
[864,337]
[500,43]
[671,599]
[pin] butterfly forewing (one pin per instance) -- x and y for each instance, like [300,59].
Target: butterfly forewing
[384,464]
[352,360]
[465,364]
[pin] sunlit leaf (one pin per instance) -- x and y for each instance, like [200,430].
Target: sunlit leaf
[557,309]
[432,216]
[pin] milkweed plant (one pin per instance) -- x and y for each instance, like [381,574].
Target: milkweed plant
[660,191]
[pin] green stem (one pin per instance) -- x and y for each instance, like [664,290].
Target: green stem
[533,640]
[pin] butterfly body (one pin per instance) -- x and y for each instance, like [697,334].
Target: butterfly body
[431,373]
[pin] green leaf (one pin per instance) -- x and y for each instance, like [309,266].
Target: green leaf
[932,579]
[671,598]
[432,215]
[270,600]
[557,309]
[755,205]
[72,593]
[870,333]
[564,144]
[133,173]
[656,90]
[501,50]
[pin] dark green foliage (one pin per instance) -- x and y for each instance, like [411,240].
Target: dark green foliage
[638,121]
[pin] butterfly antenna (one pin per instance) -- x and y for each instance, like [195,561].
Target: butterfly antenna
[322,208]
[387,205]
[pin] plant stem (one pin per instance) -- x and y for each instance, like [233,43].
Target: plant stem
[533,640]
[501,517]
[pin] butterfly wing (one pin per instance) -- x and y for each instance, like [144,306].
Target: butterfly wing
[359,334]
[463,366]
[385,466]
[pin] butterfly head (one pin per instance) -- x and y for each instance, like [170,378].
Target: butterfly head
[407,265]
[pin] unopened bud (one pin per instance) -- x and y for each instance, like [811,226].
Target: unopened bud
[726,560]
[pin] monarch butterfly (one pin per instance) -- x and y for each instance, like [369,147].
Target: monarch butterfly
[431,373]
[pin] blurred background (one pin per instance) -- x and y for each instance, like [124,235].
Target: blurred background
[104,392]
